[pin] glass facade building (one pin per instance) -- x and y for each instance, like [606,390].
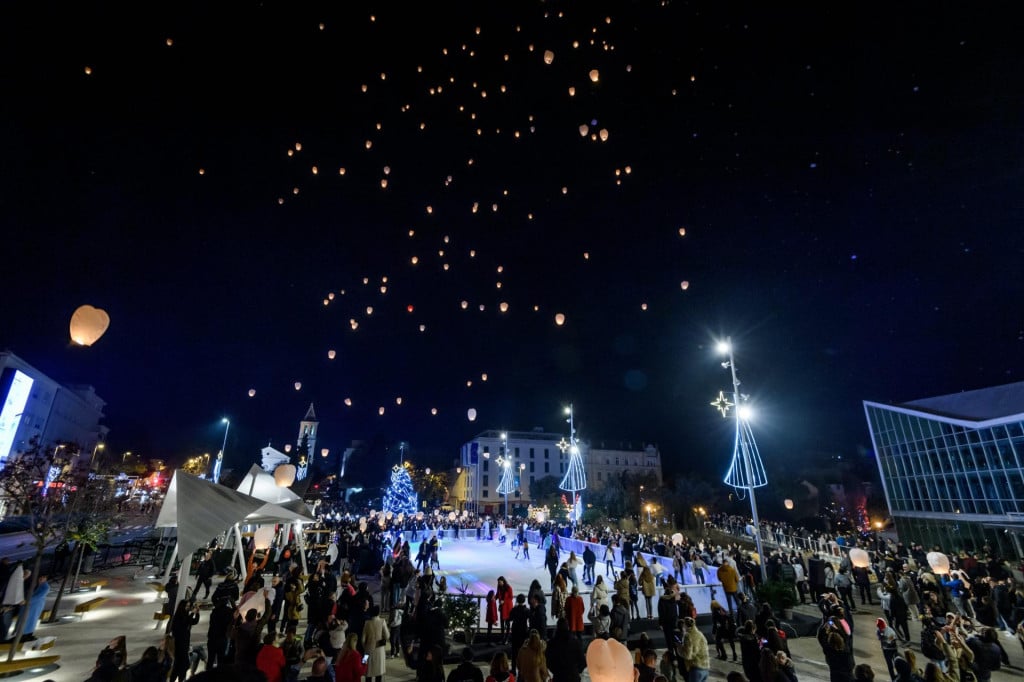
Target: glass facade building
[952,468]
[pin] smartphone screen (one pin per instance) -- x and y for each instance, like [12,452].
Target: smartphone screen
[366,659]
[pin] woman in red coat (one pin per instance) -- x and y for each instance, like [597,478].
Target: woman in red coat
[574,612]
[505,603]
[349,666]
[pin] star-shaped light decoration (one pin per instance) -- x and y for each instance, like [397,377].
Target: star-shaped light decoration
[722,404]
[563,445]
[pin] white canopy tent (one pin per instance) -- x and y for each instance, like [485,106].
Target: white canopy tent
[201,510]
[281,501]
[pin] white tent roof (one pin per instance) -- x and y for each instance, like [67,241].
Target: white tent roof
[262,485]
[202,510]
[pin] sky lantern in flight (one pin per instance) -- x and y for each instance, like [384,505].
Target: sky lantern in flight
[595,75]
[559,319]
[464,304]
[88,324]
[348,402]
[682,231]
[549,56]
[503,306]
[584,129]
[603,134]
[572,91]
[471,414]
[331,354]
[433,411]
[252,392]
[380,410]
[684,285]
[298,385]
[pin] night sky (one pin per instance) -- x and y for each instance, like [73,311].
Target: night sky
[848,179]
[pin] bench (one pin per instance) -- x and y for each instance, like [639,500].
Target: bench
[87,606]
[22,664]
[97,583]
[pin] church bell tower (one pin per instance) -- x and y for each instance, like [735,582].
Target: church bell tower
[307,432]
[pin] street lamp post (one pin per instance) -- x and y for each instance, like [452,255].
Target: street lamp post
[575,479]
[746,471]
[99,446]
[227,425]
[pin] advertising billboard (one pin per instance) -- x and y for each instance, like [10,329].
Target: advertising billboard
[15,389]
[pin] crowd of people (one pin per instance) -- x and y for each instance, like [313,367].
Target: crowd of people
[276,619]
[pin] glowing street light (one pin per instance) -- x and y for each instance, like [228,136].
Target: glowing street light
[746,471]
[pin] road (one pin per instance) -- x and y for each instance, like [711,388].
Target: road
[18,546]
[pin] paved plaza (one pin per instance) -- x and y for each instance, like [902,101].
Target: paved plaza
[132,603]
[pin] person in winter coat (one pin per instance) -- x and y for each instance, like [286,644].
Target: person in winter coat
[693,652]
[490,606]
[185,616]
[648,588]
[519,626]
[602,622]
[835,645]
[730,579]
[531,660]
[505,603]
[466,672]
[620,619]
[776,667]
[558,597]
[348,665]
[270,659]
[909,592]
[609,559]
[599,595]
[500,669]
[564,654]
[574,613]
[750,651]
[887,640]
[375,641]
[217,635]
[723,628]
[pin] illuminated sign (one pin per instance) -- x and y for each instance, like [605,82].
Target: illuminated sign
[14,408]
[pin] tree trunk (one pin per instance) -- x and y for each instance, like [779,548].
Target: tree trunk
[23,611]
[63,584]
[78,569]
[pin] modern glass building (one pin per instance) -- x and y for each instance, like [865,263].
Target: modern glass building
[952,468]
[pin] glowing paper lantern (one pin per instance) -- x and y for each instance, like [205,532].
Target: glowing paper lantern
[682,231]
[298,385]
[609,661]
[331,354]
[677,539]
[252,392]
[559,319]
[584,129]
[684,285]
[433,411]
[88,324]
[859,558]
[503,307]
[549,56]
[380,410]
[603,134]
[348,402]
[263,536]
[471,414]
[595,75]
[939,562]
[787,503]
[284,475]
[452,516]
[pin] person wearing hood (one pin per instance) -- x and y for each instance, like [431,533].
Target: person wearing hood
[887,639]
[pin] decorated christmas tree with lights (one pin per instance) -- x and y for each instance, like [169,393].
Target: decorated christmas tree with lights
[400,498]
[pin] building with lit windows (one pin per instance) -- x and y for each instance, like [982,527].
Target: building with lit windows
[34,405]
[953,468]
[533,455]
[603,466]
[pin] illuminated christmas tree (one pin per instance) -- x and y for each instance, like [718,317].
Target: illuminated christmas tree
[400,497]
